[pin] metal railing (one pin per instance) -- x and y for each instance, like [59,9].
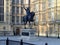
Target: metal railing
[13,42]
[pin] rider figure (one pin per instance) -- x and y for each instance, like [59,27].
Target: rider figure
[27,10]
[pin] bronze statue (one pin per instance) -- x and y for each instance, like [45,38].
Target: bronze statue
[29,16]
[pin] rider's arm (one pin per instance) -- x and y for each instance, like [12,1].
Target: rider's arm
[24,7]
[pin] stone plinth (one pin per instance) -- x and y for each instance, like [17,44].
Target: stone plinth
[27,32]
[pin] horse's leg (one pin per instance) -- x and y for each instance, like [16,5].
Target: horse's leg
[29,24]
[25,24]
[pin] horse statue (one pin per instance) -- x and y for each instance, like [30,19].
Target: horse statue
[29,16]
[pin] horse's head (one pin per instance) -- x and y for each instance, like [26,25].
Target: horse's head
[32,14]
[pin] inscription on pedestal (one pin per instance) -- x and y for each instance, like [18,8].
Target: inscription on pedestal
[25,33]
[28,32]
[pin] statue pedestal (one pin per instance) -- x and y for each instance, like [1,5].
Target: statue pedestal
[27,33]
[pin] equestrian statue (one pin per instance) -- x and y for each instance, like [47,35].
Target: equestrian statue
[29,16]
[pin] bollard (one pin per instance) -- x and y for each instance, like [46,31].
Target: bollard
[46,43]
[7,41]
[21,42]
